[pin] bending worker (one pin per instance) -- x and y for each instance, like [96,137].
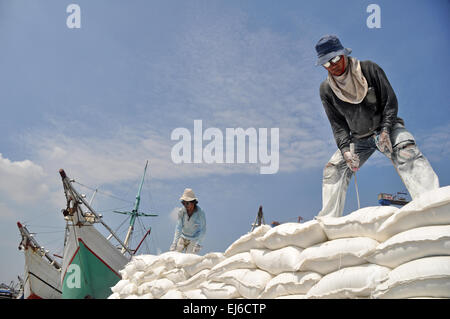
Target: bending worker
[191,225]
[362,109]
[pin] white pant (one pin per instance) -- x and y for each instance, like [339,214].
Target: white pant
[413,168]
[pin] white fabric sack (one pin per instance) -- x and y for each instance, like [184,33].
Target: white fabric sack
[194,294]
[138,277]
[193,282]
[247,241]
[131,297]
[175,275]
[335,254]
[412,244]
[218,290]
[364,222]
[160,286]
[430,208]
[144,288]
[350,282]
[421,277]
[117,288]
[277,261]
[290,283]
[294,234]
[114,296]
[129,289]
[249,282]
[156,271]
[147,296]
[208,261]
[238,261]
[173,294]
[292,297]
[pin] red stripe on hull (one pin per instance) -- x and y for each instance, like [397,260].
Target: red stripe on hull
[79,239]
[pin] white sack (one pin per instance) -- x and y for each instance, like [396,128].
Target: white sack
[137,277]
[193,282]
[364,222]
[173,294]
[430,208]
[421,277]
[160,286]
[129,289]
[218,290]
[335,254]
[350,282]
[114,296]
[249,282]
[238,261]
[294,234]
[292,297]
[412,244]
[194,294]
[117,288]
[208,261]
[144,288]
[290,283]
[247,241]
[175,275]
[277,261]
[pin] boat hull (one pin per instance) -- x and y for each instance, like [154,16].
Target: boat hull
[91,264]
[42,280]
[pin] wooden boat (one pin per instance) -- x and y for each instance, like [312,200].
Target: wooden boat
[42,271]
[91,263]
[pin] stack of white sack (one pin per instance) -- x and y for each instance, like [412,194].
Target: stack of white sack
[374,252]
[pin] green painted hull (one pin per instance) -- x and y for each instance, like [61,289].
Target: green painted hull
[88,276]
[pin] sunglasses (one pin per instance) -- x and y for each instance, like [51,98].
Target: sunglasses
[334,60]
[186,203]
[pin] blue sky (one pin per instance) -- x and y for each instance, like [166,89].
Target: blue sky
[101,100]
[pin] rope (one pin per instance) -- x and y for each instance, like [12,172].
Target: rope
[106,194]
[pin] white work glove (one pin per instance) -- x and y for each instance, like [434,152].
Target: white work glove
[383,142]
[352,160]
[173,247]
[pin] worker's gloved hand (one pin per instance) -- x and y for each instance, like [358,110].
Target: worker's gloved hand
[173,247]
[384,142]
[196,248]
[352,160]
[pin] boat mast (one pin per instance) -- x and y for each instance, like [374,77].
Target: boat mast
[68,188]
[135,212]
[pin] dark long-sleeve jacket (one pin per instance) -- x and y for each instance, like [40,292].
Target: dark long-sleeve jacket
[377,111]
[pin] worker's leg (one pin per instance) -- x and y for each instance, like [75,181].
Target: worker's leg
[337,175]
[412,166]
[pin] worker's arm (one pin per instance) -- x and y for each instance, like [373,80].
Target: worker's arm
[339,126]
[388,99]
[178,229]
[202,231]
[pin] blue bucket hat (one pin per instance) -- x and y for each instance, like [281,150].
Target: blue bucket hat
[328,47]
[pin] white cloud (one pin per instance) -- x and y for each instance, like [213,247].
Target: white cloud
[22,181]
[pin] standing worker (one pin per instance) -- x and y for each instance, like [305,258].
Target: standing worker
[191,225]
[362,109]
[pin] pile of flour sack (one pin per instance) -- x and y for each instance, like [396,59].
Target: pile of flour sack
[374,252]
